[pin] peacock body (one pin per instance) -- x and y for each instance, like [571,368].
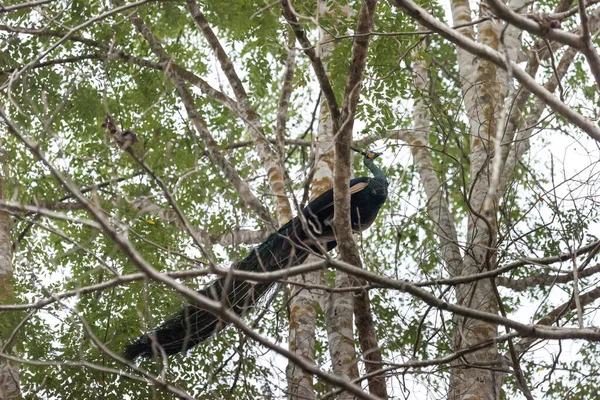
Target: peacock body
[289,246]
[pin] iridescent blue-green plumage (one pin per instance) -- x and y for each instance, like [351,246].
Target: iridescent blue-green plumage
[289,246]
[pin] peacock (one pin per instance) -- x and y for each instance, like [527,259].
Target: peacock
[290,245]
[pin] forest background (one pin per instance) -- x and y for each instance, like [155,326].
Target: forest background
[479,279]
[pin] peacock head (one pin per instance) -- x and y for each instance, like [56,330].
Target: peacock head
[370,154]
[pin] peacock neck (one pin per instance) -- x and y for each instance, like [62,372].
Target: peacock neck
[377,172]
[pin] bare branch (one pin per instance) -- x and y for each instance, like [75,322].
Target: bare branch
[588,49]
[560,15]
[522,140]
[72,364]
[544,279]
[525,330]
[31,4]
[58,61]
[542,51]
[554,315]
[509,267]
[234,237]
[281,275]
[530,25]
[211,146]
[286,93]
[12,207]
[290,15]
[489,54]
[272,162]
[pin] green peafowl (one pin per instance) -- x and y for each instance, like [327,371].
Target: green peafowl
[290,245]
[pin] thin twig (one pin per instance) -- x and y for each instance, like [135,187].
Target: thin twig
[31,4]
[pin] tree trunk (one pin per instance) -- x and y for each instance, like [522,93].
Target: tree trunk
[473,377]
[304,303]
[9,371]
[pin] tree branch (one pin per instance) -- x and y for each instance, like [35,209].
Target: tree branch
[234,237]
[588,49]
[211,146]
[286,92]
[272,162]
[522,140]
[582,43]
[493,56]
[54,46]
[12,207]
[31,4]
[509,267]
[544,279]
[212,306]
[526,330]
[505,13]
[115,53]
[290,15]
[341,195]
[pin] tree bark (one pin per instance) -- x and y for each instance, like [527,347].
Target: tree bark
[304,303]
[9,371]
[271,161]
[479,382]
[341,222]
